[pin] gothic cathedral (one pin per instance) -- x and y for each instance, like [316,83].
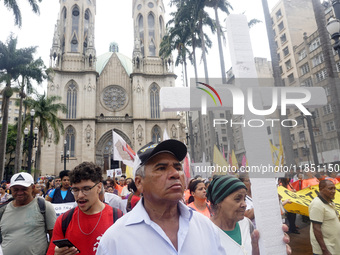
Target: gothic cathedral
[107,92]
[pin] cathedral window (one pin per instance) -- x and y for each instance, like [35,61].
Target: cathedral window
[64,15]
[75,27]
[154,101]
[70,140]
[156,134]
[151,27]
[71,101]
[86,28]
[161,24]
[141,33]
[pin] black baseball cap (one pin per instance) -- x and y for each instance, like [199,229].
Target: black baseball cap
[175,147]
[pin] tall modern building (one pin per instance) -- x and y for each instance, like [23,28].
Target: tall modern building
[108,92]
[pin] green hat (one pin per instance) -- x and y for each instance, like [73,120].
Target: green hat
[222,186]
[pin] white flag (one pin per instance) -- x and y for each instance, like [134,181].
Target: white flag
[165,135]
[122,151]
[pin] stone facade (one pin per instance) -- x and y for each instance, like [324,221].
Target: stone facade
[108,92]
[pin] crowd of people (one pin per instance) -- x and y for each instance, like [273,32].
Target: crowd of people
[155,209]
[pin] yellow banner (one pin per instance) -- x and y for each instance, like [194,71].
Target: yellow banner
[302,199]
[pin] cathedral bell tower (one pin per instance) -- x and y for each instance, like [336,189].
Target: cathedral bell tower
[74,76]
[151,72]
[73,40]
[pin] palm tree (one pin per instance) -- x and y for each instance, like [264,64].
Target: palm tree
[285,132]
[13,5]
[46,111]
[12,62]
[33,70]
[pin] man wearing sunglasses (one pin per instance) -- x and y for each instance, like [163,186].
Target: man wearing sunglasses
[89,219]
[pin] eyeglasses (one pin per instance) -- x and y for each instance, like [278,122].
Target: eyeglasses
[85,190]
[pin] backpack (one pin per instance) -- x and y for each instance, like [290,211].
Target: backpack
[42,207]
[67,216]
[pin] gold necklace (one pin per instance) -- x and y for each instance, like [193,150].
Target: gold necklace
[94,226]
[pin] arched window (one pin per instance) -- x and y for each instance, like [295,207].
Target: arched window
[86,28]
[75,27]
[64,15]
[151,27]
[70,140]
[156,134]
[141,33]
[71,101]
[161,24]
[154,101]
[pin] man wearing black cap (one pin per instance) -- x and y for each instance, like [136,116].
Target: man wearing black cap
[160,223]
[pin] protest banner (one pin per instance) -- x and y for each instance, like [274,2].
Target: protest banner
[302,199]
[61,208]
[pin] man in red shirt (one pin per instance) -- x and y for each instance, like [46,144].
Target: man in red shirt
[90,218]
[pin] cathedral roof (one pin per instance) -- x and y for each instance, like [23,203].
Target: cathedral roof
[102,60]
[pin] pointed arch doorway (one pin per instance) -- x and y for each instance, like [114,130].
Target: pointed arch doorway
[104,154]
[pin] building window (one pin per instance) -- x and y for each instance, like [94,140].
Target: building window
[75,27]
[281,70]
[224,131]
[278,57]
[281,26]
[151,27]
[304,69]
[301,135]
[307,83]
[269,131]
[283,39]
[285,51]
[70,140]
[291,78]
[161,27]
[320,76]
[71,101]
[292,137]
[156,134]
[327,90]
[327,109]
[274,32]
[288,65]
[141,33]
[299,120]
[296,153]
[330,126]
[314,44]
[278,14]
[302,54]
[154,102]
[338,67]
[318,60]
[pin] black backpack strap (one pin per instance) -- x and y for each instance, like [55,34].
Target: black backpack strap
[65,220]
[42,207]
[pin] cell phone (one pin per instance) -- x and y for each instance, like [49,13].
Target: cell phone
[64,243]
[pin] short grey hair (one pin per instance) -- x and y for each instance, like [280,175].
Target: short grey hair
[140,171]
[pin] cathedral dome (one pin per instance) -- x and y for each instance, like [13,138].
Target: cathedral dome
[102,61]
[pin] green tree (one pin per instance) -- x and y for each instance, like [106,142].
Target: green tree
[10,150]
[12,5]
[33,71]
[12,62]
[46,115]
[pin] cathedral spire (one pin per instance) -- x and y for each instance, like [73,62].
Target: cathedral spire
[74,36]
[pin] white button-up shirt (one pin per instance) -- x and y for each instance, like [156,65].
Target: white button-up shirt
[136,233]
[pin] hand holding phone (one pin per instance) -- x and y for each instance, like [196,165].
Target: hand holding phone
[64,243]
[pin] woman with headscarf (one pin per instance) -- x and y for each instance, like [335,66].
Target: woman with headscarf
[227,196]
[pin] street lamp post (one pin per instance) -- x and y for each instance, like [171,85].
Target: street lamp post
[30,141]
[65,155]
